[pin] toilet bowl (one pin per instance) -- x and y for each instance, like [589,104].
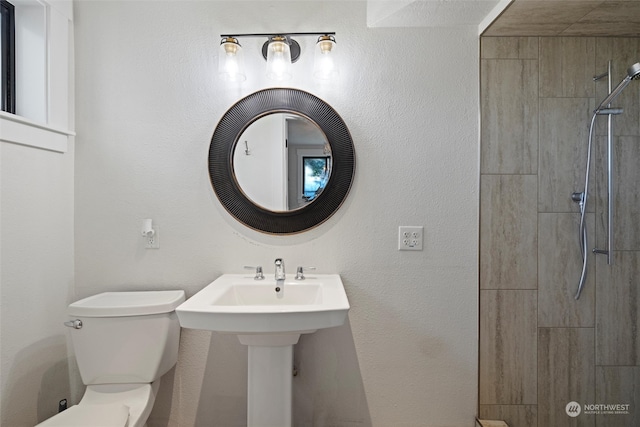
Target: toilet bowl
[124,343]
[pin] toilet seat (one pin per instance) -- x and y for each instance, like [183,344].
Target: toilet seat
[109,405]
[107,415]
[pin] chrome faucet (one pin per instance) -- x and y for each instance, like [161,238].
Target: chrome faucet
[280,276]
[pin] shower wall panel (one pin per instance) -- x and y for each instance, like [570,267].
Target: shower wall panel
[566,67]
[565,373]
[511,106]
[508,326]
[509,217]
[540,348]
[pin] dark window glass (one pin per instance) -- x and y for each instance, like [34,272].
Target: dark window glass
[8,51]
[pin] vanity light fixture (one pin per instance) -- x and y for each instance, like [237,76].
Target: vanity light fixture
[280,51]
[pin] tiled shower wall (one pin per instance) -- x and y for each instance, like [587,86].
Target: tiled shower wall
[540,348]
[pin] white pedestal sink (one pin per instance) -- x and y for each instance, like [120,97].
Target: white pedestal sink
[269,322]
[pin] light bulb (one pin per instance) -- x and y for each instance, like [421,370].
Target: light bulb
[278,59]
[324,66]
[231,60]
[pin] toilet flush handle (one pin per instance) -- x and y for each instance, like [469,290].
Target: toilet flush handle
[75,324]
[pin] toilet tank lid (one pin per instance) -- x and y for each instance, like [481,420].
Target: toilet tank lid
[120,304]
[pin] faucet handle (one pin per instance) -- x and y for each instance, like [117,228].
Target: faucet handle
[259,274]
[300,272]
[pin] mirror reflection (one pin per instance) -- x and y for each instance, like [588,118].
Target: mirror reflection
[282,161]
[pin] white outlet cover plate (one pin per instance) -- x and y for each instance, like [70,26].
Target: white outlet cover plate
[410,238]
[153,242]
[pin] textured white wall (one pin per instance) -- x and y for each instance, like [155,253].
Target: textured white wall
[147,104]
[36,228]
[36,281]
[262,174]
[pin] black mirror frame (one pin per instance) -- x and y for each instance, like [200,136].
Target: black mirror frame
[225,138]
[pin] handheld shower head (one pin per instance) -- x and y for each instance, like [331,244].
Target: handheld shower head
[633,73]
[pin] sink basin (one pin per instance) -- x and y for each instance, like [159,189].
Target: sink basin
[250,294]
[237,303]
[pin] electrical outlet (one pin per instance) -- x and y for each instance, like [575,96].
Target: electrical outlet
[153,242]
[410,238]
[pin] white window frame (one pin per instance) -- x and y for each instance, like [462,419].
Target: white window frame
[50,124]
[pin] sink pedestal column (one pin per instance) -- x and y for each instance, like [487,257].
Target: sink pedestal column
[269,386]
[269,379]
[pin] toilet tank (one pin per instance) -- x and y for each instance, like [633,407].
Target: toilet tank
[126,337]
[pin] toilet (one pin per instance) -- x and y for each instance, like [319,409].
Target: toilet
[124,342]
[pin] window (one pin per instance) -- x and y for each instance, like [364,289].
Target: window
[315,176]
[8,67]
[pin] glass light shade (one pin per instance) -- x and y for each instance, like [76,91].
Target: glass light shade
[324,61]
[231,61]
[278,59]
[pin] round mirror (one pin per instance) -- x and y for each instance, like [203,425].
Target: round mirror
[281,161]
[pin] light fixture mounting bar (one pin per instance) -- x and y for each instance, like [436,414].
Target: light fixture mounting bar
[325,33]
